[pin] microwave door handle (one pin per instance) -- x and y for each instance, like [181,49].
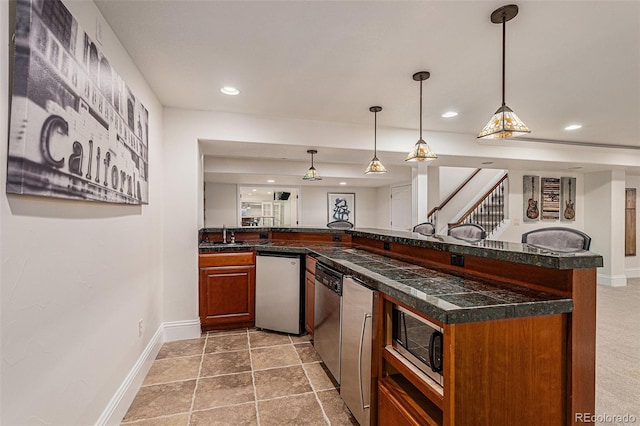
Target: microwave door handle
[435,335]
[405,342]
[364,324]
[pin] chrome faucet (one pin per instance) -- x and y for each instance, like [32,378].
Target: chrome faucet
[224,234]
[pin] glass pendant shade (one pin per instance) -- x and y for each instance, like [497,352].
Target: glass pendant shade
[504,124]
[312,174]
[421,152]
[375,166]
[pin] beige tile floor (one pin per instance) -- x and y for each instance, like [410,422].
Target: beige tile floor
[239,377]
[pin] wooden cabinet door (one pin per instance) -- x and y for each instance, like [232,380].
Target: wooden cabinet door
[227,297]
[309,302]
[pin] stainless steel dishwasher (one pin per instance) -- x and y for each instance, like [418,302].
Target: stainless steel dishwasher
[357,336]
[328,310]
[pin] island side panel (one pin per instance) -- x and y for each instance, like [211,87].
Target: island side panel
[521,360]
[582,346]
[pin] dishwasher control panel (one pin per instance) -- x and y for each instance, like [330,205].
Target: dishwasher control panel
[329,277]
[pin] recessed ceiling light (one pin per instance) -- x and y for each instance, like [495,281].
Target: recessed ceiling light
[268,192]
[231,91]
[343,183]
[449,114]
[573,127]
[270,181]
[253,190]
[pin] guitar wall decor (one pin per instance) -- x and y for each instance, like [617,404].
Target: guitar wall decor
[569,212]
[532,208]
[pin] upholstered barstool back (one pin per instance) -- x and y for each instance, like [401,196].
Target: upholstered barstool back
[425,228]
[467,232]
[340,224]
[557,238]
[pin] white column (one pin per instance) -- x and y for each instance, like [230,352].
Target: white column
[604,222]
[420,191]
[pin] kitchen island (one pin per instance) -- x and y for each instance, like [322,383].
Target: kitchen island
[519,321]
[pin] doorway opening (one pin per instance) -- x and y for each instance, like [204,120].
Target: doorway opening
[268,206]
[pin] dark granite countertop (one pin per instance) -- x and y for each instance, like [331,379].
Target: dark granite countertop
[499,250]
[447,298]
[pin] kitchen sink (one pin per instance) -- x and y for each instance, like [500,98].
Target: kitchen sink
[236,243]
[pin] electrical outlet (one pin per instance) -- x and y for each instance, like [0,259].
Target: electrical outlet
[337,238]
[457,260]
[140,328]
[386,245]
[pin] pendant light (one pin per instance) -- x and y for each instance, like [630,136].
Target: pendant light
[312,173]
[421,151]
[504,123]
[375,166]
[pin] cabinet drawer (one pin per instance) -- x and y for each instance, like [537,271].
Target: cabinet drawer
[227,259]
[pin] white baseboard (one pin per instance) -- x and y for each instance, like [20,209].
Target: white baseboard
[612,280]
[167,332]
[632,273]
[181,330]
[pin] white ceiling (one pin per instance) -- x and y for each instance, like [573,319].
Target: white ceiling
[567,62]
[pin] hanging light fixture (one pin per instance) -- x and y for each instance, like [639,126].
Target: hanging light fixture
[375,166]
[504,123]
[312,173]
[421,151]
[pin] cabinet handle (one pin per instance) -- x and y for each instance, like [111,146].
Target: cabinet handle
[364,324]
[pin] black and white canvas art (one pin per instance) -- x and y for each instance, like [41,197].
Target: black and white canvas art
[341,206]
[77,130]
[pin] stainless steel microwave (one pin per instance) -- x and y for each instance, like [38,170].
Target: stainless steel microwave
[419,341]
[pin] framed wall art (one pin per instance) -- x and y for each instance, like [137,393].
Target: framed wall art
[568,199]
[550,198]
[77,130]
[341,206]
[530,197]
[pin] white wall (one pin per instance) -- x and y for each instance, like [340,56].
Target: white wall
[632,263]
[221,204]
[450,179]
[76,276]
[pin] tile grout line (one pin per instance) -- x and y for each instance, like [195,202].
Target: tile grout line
[195,388]
[253,381]
[313,389]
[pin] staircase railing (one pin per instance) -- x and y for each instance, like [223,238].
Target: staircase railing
[432,216]
[488,211]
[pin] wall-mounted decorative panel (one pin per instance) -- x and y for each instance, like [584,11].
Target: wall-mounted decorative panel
[77,130]
[568,199]
[630,222]
[550,198]
[531,197]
